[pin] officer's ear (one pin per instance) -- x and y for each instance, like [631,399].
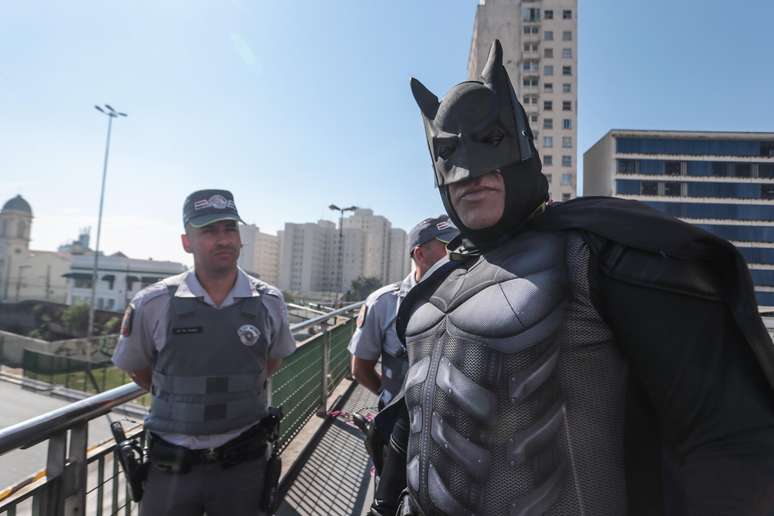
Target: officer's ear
[186,241]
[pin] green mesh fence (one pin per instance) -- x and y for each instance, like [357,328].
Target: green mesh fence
[297,386]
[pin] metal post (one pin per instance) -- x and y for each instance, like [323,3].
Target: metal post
[325,370]
[339,267]
[99,231]
[51,502]
[75,472]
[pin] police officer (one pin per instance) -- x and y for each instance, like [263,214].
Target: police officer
[204,343]
[375,337]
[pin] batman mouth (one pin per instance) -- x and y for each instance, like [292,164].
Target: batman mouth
[473,190]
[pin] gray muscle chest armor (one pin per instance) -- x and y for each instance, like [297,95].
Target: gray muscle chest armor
[206,380]
[515,390]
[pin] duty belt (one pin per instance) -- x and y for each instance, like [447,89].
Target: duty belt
[172,458]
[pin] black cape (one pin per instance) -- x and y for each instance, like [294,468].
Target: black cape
[639,226]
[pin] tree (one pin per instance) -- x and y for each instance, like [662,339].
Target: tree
[362,287]
[75,319]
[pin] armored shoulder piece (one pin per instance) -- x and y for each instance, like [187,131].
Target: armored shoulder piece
[648,269]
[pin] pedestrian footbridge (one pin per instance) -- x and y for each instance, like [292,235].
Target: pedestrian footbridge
[56,454]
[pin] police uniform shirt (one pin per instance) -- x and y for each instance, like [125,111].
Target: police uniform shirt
[148,333]
[376,334]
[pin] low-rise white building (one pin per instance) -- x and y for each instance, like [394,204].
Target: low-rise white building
[119,278]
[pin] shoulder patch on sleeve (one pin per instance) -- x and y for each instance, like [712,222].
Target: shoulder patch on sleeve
[361,315]
[126,322]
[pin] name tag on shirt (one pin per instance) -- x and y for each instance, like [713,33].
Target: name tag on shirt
[188,330]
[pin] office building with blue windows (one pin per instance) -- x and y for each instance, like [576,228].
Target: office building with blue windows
[722,182]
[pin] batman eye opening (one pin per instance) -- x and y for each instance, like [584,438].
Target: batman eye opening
[494,137]
[445,148]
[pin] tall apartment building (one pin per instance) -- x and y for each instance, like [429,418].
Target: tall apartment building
[399,263]
[308,257]
[260,253]
[540,53]
[371,247]
[370,250]
[722,182]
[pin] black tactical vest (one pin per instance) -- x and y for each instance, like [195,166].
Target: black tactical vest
[515,390]
[210,376]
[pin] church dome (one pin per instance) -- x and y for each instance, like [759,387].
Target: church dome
[17,203]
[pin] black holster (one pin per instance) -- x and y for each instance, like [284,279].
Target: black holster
[270,497]
[133,459]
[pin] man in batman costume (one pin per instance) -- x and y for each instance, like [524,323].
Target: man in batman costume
[594,357]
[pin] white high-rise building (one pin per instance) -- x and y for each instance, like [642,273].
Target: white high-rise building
[540,53]
[308,257]
[260,253]
[399,261]
[370,250]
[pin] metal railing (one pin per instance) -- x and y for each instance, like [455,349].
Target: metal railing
[76,479]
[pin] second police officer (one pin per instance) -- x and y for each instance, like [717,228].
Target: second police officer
[375,337]
[204,343]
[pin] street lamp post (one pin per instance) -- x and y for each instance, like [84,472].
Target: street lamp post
[339,271]
[111,113]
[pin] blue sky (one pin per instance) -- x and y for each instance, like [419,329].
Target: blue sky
[294,105]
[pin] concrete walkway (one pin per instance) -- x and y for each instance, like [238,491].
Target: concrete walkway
[335,479]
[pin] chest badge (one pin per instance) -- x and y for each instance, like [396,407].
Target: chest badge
[248,334]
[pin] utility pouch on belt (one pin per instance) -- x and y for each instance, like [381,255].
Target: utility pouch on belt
[131,456]
[168,457]
[271,424]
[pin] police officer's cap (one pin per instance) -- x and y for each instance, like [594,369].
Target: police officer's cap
[204,207]
[440,228]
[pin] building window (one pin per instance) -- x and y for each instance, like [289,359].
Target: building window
[548,105]
[548,160]
[548,14]
[530,82]
[672,168]
[567,142]
[567,123]
[626,166]
[567,179]
[767,191]
[530,14]
[567,70]
[548,123]
[567,14]
[548,87]
[649,188]
[567,53]
[533,118]
[566,87]
[566,105]
[743,170]
[548,35]
[548,141]
[548,70]
[567,35]
[566,161]
[566,196]
[548,53]
[672,189]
